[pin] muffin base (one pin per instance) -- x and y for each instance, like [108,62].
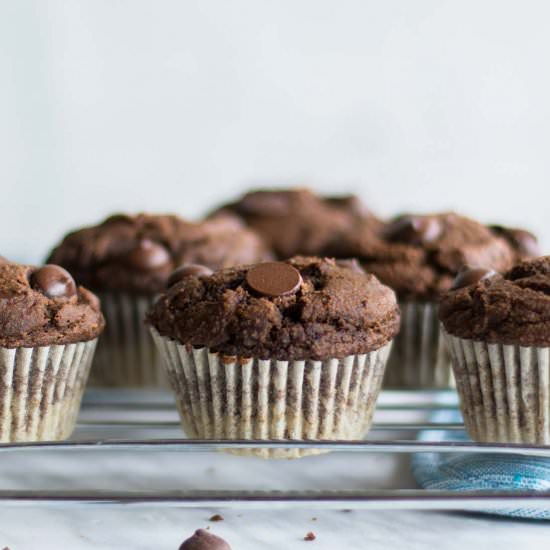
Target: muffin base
[41,389]
[225,397]
[504,391]
[126,355]
[419,358]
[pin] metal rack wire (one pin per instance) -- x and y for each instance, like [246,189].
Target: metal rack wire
[109,421]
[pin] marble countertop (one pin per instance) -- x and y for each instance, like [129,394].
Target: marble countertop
[121,527]
[147,529]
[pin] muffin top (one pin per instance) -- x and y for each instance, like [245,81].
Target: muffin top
[42,306]
[513,308]
[297,221]
[303,308]
[419,256]
[524,244]
[136,254]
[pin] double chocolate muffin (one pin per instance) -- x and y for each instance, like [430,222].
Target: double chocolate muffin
[279,350]
[419,257]
[297,221]
[48,332]
[128,260]
[498,330]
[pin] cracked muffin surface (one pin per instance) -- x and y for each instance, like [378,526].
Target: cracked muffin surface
[42,306]
[419,255]
[328,310]
[299,221]
[137,253]
[511,309]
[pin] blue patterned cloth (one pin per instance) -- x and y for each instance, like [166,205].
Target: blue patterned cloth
[470,472]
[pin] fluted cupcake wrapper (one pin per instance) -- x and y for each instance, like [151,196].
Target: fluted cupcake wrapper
[41,389]
[226,397]
[126,355]
[419,358]
[504,390]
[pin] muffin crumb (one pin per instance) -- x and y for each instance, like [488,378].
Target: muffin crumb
[310,536]
[216,517]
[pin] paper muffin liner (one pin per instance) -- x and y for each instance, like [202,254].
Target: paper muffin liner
[226,397]
[126,354]
[504,391]
[419,357]
[41,389]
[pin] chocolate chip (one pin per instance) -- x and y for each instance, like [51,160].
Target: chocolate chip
[470,275]
[413,230]
[523,241]
[53,281]
[189,270]
[203,540]
[526,243]
[148,255]
[274,279]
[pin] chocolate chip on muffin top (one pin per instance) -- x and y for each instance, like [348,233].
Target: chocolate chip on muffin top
[524,244]
[511,309]
[419,256]
[303,308]
[136,254]
[297,221]
[41,306]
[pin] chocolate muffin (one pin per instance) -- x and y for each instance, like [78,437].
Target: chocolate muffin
[419,256]
[498,331]
[48,332]
[297,221]
[279,350]
[127,260]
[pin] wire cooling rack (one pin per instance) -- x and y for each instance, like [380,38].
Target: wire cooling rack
[145,424]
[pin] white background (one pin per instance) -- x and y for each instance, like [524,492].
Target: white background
[174,106]
[177,105]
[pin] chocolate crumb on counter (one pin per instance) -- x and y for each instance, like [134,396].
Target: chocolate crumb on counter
[310,536]
[203,540]
[216,517]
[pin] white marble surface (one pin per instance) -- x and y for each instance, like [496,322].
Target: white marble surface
[95,526]
[88,529]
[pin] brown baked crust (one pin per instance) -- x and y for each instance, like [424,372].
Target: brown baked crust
[337,311]
[513,309]
[100,257]
[524,244]
[297,221]
[29,318]
[422,271]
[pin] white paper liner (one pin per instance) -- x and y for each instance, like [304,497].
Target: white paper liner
[222,397]
[41,389]
[504,391]
[419,357]
[126,354]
